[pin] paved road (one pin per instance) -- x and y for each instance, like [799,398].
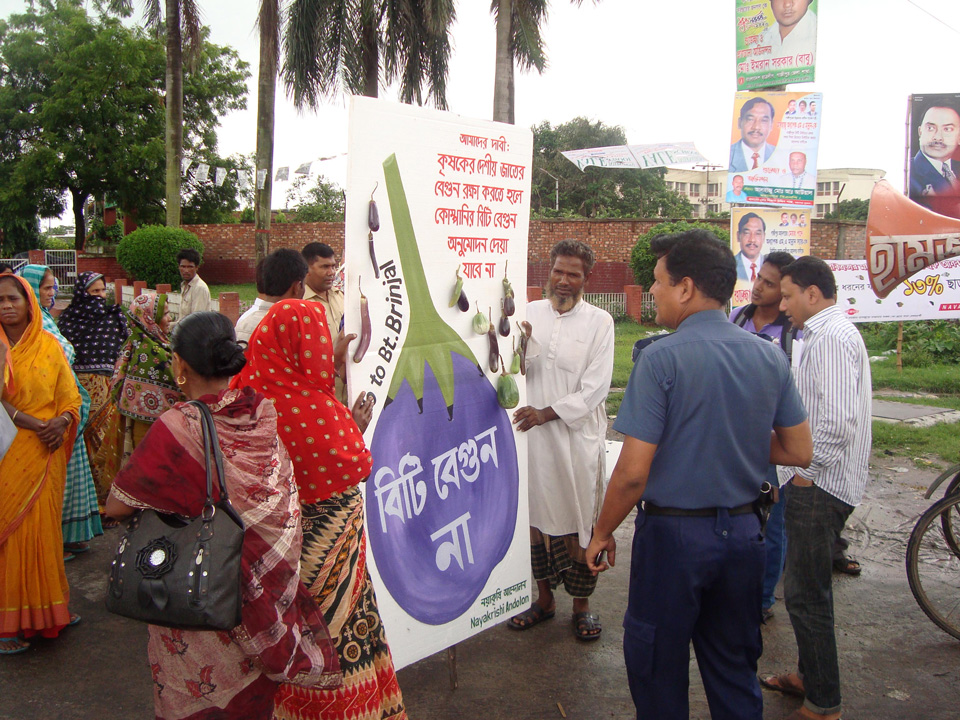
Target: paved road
[895,663]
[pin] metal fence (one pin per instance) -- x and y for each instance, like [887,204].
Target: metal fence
[613,303]
[63,264]
[14,263]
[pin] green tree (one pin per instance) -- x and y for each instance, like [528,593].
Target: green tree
[321,202]
[850,210]
[598,192]
[642,261]
[206,202]
[518,43]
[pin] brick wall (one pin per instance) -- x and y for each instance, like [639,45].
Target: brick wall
[230,250]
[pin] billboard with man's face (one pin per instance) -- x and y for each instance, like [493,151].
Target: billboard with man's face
[776,42]
[755,232]
[773,149]
[934,122]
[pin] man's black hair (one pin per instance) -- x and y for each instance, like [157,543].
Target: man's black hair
[574,248]
[700,256]
[779,259]
[746,218]
[755,101]
[314,250]
[808,270]
[190,255]
[279,271]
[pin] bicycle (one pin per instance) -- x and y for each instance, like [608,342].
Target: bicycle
[933,556]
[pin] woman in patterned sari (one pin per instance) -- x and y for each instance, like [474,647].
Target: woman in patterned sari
[40,395]
[81,516]
[202,674]
[291,361]
[142,387]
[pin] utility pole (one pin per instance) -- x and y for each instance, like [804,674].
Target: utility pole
[706,196]
[556,182]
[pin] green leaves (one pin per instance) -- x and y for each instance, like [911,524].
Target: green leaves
[150,253]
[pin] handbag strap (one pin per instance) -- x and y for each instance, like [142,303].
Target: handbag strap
[211,447]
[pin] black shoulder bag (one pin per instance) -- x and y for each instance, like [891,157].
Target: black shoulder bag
[181,572]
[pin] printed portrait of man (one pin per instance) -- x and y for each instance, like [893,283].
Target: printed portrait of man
[736,194]
[751,233]
[800,177]
[793,31]
[933,171]
[755,123]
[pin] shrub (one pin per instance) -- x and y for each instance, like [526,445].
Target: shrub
[103,234]
[642,261]
[247,215]
[150,253]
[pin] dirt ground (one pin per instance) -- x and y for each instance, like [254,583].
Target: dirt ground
[895,663]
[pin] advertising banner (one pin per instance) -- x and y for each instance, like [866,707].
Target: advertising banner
[931,294]
[755,233]
[635,156]
[773,149]
[934,122]
[776,42]
[446,501]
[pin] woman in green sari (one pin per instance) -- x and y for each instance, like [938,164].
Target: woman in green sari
[81,516]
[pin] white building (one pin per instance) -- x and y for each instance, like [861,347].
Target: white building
[706,189]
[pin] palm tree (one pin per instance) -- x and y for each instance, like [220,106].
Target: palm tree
[180,19]
[518,41]
[350,46]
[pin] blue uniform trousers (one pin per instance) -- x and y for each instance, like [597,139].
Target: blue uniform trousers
[776,538]
[699,579]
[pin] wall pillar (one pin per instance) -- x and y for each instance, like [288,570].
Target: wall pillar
[230,306]
[138,287]
[634,295]
[118,285]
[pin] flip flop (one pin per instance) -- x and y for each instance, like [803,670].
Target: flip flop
[586,626]
[530,617]
[68,556]
[13,646]
[781,684]
[74,619]
[847,566]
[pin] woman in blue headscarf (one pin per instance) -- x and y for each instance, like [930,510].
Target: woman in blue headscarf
[81,516]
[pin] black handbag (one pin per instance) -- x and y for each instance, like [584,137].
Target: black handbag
[182,572]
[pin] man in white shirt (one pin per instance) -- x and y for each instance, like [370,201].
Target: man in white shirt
[800,179]
[834,382]
[569,366]
[794,31]
[279,277]
[194,293]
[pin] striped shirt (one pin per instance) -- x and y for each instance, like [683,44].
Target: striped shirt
[834,382]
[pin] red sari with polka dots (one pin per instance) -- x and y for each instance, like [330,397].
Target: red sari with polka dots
[290,360]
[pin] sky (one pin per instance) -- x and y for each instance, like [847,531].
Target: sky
[664,71]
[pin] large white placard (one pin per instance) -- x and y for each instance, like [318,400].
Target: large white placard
[931,294]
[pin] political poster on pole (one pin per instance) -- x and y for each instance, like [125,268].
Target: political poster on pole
[436,227]
[755,232]
[773,149]
[930,294]
[934,169]
[776,42]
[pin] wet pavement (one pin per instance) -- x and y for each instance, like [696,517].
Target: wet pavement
[895,663]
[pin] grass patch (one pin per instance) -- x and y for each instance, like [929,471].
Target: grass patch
[613,402]
[941,440]
[247,291]
[626,333]
[934,378]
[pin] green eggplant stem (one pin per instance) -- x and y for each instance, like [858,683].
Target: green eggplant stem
[430,341]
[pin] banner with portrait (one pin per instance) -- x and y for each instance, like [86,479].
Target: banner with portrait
[635,156]
[446,502]
[934,156]
[930,294]
[755,232]
[773,149]
[776,42]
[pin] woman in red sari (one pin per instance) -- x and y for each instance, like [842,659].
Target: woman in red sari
[291,360]
[40,395]
[203,674]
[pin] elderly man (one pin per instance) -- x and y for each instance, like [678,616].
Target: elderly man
[279,277]
[834,382]
[800,179]
[933,171]
[698,444]
[570,364]
[751,233]
[794,30]
[754,123]
[194,293]
[736,193]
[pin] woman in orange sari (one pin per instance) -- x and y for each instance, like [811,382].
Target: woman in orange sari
[41,397]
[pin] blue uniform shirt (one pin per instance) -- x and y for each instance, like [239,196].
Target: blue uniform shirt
[708,397]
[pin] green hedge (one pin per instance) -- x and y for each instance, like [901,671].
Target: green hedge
[642,261]
[150,253]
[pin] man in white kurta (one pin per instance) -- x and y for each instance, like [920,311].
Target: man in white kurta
[570,363]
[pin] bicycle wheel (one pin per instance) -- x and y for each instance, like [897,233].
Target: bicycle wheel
[933,568]
[950,521]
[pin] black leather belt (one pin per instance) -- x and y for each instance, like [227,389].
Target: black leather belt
[651,509]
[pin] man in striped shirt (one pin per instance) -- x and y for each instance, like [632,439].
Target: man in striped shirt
[834,382]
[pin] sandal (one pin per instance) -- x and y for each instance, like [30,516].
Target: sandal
[528,618]
[587,626]
[74,619]
[13,646]
[782,684]
[847,566]
[76,548]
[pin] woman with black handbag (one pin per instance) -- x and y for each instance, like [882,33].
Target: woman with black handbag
[234,674]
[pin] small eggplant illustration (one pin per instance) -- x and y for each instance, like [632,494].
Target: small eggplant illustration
[480,322]
[373,222]
[504,327]
[509,304]
[526,330]
[494,345]
[515,363]
[459,297]
[365,328]
[508,395]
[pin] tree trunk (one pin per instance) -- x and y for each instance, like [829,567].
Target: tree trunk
[503,77]
[80,227]
[174,108]
[266,102]
[370,55]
